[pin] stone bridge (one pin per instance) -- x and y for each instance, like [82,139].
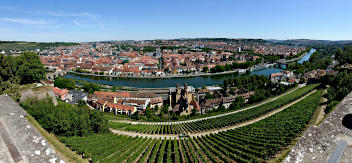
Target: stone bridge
[53,75]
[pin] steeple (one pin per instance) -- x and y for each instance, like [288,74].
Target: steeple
[186,88]
[178,89]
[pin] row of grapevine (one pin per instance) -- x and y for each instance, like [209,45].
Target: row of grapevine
[256,142]
[218,122]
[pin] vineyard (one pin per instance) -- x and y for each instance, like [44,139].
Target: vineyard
[215,123]
[256,142]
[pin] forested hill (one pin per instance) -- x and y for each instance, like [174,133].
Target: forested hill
[243,40]
[313,43]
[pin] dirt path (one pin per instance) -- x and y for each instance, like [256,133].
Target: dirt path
[321,112]
[205,118]
[134,134]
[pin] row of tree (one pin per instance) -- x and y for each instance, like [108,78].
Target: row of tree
[70,84]
[66,119]
[233,66]
[261,85]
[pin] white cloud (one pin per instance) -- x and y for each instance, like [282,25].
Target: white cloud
[76,22]
[24,21]
[66,14]
[55,13]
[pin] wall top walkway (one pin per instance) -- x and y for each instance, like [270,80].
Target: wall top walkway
[19,140]
[318,143]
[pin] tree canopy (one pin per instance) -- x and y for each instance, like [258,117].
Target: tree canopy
[91,87]
[64,83]
[24,69]
[66,119]
[28,67]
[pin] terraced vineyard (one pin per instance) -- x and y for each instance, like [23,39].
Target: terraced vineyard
[257,142]
[214,123]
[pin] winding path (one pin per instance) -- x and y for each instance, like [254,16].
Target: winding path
[202,133]
[205,118]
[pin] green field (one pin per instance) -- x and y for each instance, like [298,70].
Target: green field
[257,142]
[16,45]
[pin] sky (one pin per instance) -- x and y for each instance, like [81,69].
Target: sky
[100,20]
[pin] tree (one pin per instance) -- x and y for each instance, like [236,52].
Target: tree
[221,107]
[29,68]
[114,88]
[205,69]
[156,108]
[66,119]
[208,96]
[5,69]
[165,109]
[64,83]
[125,61]
[194,112]
[239,102]
[91,87]
[148,112]
[226,85]
[81,103]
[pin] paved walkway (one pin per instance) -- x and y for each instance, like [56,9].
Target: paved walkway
[205,118]
[134,134]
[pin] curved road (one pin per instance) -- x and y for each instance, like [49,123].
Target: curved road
[134,134]
[205,118]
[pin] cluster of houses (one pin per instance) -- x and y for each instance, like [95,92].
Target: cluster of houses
[284,78]
[70,96]
[315,73]
[220,100]
[182,100]
[126,103]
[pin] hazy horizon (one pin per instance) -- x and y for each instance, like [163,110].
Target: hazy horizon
[90,21]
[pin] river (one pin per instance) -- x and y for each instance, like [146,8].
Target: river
[197,81]
[307,56]
[166,82]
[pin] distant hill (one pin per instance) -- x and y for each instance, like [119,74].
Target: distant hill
[21,45]
[224,39]
[307,42]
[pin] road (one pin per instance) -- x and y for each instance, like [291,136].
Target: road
[202,133]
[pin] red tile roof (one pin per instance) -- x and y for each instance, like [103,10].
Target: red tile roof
[120,107]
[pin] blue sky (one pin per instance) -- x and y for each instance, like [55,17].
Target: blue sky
[85,20]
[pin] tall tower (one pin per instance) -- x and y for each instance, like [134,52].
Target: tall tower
[178,89]
[186,88]
[178,92]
